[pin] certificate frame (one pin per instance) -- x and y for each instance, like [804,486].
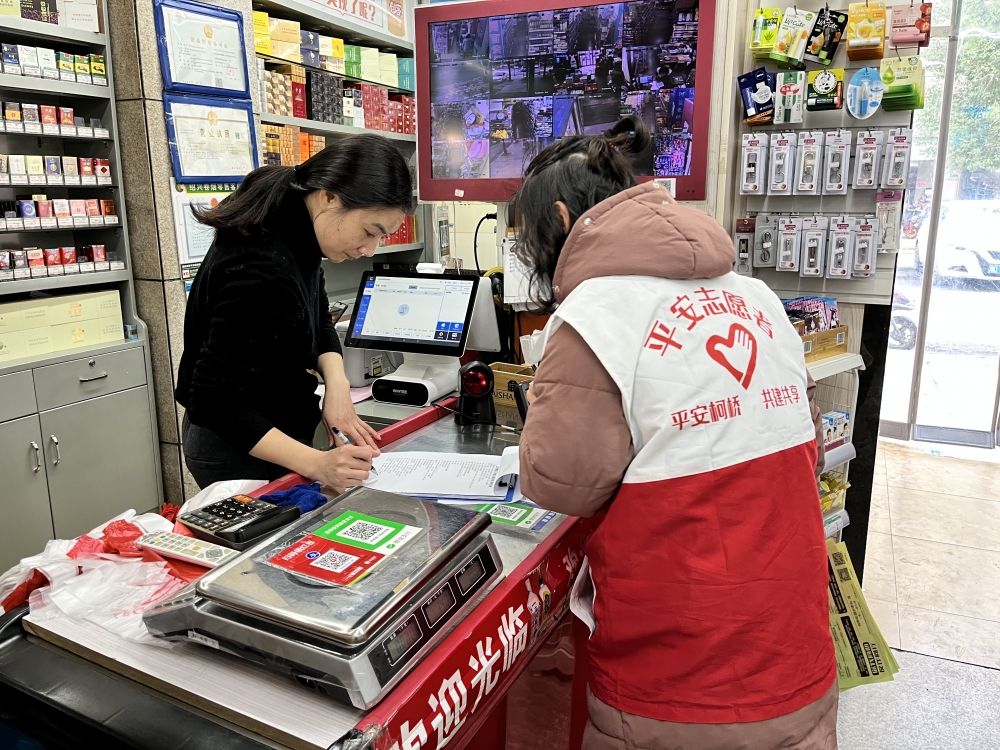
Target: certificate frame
[211,13]
[228,103]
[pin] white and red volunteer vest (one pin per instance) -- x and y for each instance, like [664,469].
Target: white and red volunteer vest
[710,566]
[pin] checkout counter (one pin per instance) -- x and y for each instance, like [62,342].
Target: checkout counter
[74,684]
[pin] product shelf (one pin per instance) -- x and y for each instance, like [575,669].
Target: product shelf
[343,76]
[61,229]
[47,186]
[18,26]
[329,128]
[840,455]
[314,17]
[49,284]
[49,87]
[835,522]
[826,368]
[60,136]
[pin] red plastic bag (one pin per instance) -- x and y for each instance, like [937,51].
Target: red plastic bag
[120,536]
[86,545]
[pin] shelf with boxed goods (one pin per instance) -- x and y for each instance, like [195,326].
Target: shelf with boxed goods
[313,17]
[39,213]
[62,170]
[50,121]
[26,66]
[21,27]
[21,264]
[330,129]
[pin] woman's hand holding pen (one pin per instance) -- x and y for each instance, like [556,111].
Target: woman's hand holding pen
[339,414]
[347,466]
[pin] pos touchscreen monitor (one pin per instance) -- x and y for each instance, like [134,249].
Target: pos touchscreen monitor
[413,312]
[499,80]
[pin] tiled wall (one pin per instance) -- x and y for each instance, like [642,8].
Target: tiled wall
[146,176]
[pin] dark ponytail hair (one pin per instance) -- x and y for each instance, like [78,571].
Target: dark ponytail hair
[365,171]
[581,171]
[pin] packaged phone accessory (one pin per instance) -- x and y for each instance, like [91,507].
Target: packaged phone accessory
[835,165]
[866,159]
[743,246]
[896,167]
[789,236]
[809,161]
[765,243]
[813,253]
[889,212]
[865,250]
[753,164]
[782,159]
[840,247]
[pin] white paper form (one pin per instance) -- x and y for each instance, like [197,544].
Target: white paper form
[451,475]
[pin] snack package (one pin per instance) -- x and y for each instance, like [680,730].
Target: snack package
[826,35]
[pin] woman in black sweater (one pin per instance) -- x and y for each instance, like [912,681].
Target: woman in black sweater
[257,328]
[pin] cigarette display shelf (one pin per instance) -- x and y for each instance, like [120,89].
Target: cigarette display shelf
[825,368]
[54,283]
[47,86]
[60,136]
[270,59]
[61,229]
[331,129]
[314,17]
[23,28]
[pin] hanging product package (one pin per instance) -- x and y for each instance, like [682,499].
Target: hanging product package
[825,90]
[743,245]
[757,94]
[889,212]
[903,78]
[865,250]
[765,241]
[910,25]
[896,165]
[813,246]
[826,35]
[866,159]
[765,31]
[782,165]
[754,164]
[835,165]
[809,155]
[789,237]
[840,247]
[866,30]
[789,95]
[864,94]
[793,35]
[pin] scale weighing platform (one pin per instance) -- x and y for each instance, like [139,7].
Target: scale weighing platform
[348,621]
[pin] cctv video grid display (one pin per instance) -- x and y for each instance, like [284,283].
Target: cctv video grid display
[504,87]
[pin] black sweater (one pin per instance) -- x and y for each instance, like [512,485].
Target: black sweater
[257,320]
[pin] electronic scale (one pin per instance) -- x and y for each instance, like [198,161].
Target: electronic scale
[351,642]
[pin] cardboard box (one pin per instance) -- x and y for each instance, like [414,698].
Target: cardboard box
[11,345]
[79,14]
[282,30]
[506,378]
[260,23]
[832,343]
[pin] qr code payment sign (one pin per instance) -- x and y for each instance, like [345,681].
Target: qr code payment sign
[508,512]
[334,561]
[365,531]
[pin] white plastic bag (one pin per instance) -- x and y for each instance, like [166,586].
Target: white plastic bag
[220,491]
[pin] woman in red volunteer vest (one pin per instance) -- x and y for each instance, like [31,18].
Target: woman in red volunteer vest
[672,393]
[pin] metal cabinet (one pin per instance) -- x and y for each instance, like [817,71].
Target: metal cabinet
[99,460]
[25,518]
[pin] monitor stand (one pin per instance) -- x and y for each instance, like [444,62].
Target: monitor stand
[420,380]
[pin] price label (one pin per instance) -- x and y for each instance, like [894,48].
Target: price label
[71,268]
[110,220]
[31,71]
[83,132]
[117,265]
[49,222]
[4,179]
[3,225]
[32,223]
[102,265]
[39,272]
[15,127]
[3,127]
[36,179]
[71,179]
[22,273]
[104,180]
[15,225]
[6,275]
[55,270]
[67,76]
[88,179]
[96,221]
[101,133]
[86,267]
[33,127]
[67,130]
[52,73]
[50,129]
[19,179]
[55,179]
[65,222]
[81,221]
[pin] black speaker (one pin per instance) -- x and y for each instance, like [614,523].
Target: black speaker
[475,399]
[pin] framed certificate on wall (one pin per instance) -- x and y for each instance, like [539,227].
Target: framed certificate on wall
[211,139]
[202,49]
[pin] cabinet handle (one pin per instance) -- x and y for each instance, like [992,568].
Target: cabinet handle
[38,457]
[96,377]
[55,441]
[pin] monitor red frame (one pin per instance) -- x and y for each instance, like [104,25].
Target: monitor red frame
[690,188]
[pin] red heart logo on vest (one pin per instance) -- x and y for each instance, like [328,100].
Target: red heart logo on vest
[738,349]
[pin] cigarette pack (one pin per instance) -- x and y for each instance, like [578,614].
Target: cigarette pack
[77,207]
[29,113]
[26,209]
[60,207]
[81,66]
[12,111]
[11,63]
[16,164]
[64,61]
[53,256]
[93,207]
[19,258]
[98,72]
[108,207]
[48,114]
[34,164]
[69,165]
[4,260]
[86,165]
[97,253]
[36,256]
[47,63]
[65,115]
[4,165]
[44,208]
[68,255]
[28,59]
[103,167]
[53,165]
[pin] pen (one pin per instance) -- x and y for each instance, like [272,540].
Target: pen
[347,441]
